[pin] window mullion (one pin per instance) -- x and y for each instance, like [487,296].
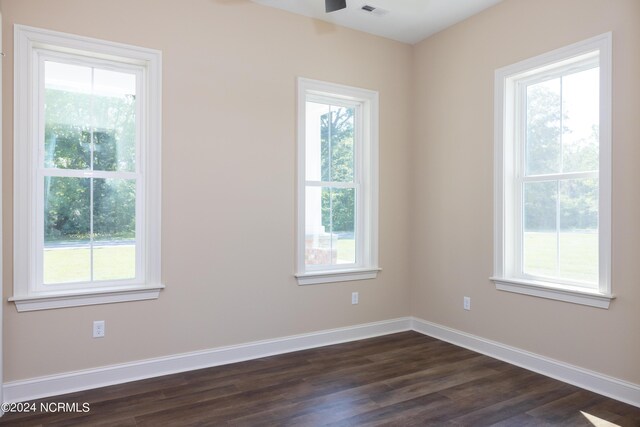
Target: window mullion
[330,142]
[39,202]
[91,157]
[331,222]
[558,217]
[520,153]
[560,176]
[91,227]
[362,239]
[561,126]
[85,173]
[336,184]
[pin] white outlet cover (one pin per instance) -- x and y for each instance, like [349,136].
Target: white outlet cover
[98,329]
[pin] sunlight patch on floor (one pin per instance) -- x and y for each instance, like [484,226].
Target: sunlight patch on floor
[598,422]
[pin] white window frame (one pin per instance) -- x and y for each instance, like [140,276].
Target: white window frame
[365,181]
[509,80]
[32,47]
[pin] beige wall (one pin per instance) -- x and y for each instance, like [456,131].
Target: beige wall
[229,127]
[230,70]
[452,161]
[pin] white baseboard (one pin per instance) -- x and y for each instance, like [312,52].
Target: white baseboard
[583,378]
[54,385]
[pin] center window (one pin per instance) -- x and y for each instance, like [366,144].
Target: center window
[337,183]
[331,190]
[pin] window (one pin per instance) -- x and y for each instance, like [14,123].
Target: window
[87,171]
[337,183]
[553,175]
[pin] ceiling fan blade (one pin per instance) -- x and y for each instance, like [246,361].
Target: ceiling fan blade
[333,5]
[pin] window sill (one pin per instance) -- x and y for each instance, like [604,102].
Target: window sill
[316,277]
[51,301]
[560,293]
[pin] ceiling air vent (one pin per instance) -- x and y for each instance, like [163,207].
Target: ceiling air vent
[374,10]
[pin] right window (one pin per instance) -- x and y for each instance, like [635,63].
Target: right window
[553,174]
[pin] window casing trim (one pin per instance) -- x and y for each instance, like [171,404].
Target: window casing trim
[344,275]
[96,296]
[365,181]
[29,44]
[551,291]
[506,276]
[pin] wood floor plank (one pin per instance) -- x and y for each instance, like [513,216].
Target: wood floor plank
[396,413]
[567,408]
[219,410]
[521,420]
[309,413]
[529,397]
[404,379]
[431,381]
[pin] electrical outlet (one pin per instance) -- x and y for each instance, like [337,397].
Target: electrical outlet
[354,297]
[467,303]
[98,329]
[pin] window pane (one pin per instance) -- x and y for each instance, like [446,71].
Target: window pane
[114,111]
[337,137]
[540,242]
[579,230]
[330,226]
[313,140]
[67,99]
[343,223]
[329,143]
[114,227]
[320,249]
[581,111]
[543,133]
[67,253]
[85,105]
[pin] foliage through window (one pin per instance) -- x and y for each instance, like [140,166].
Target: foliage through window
[560,181]
[329,233]
[90,125]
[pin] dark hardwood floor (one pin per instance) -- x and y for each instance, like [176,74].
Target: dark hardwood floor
[404,379]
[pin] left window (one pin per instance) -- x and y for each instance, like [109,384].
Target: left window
[86,171]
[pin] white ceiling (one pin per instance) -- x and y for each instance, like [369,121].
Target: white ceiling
[408,21]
